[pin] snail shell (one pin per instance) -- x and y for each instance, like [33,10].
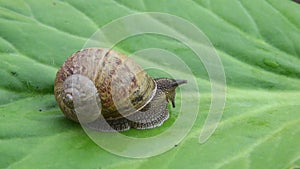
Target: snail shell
[97,84]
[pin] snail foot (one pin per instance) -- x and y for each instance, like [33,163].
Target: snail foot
[115,125]
[154,114]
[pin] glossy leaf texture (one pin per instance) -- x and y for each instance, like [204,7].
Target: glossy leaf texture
[257,41]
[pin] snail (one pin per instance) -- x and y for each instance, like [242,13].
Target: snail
[107,91]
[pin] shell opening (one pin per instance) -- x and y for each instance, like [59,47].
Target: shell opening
[133,99]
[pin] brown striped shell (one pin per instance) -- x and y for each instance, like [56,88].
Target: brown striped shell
[111,80]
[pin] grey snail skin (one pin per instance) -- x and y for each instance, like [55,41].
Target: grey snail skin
[124,95]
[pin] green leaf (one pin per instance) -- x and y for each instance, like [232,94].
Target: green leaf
[258,44]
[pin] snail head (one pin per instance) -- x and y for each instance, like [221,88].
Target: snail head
[168,86]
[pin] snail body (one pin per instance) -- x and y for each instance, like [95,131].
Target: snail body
[107,91]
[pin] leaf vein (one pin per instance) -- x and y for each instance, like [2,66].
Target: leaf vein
[287,20]
[83,13]
[252,38]
[258,143]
